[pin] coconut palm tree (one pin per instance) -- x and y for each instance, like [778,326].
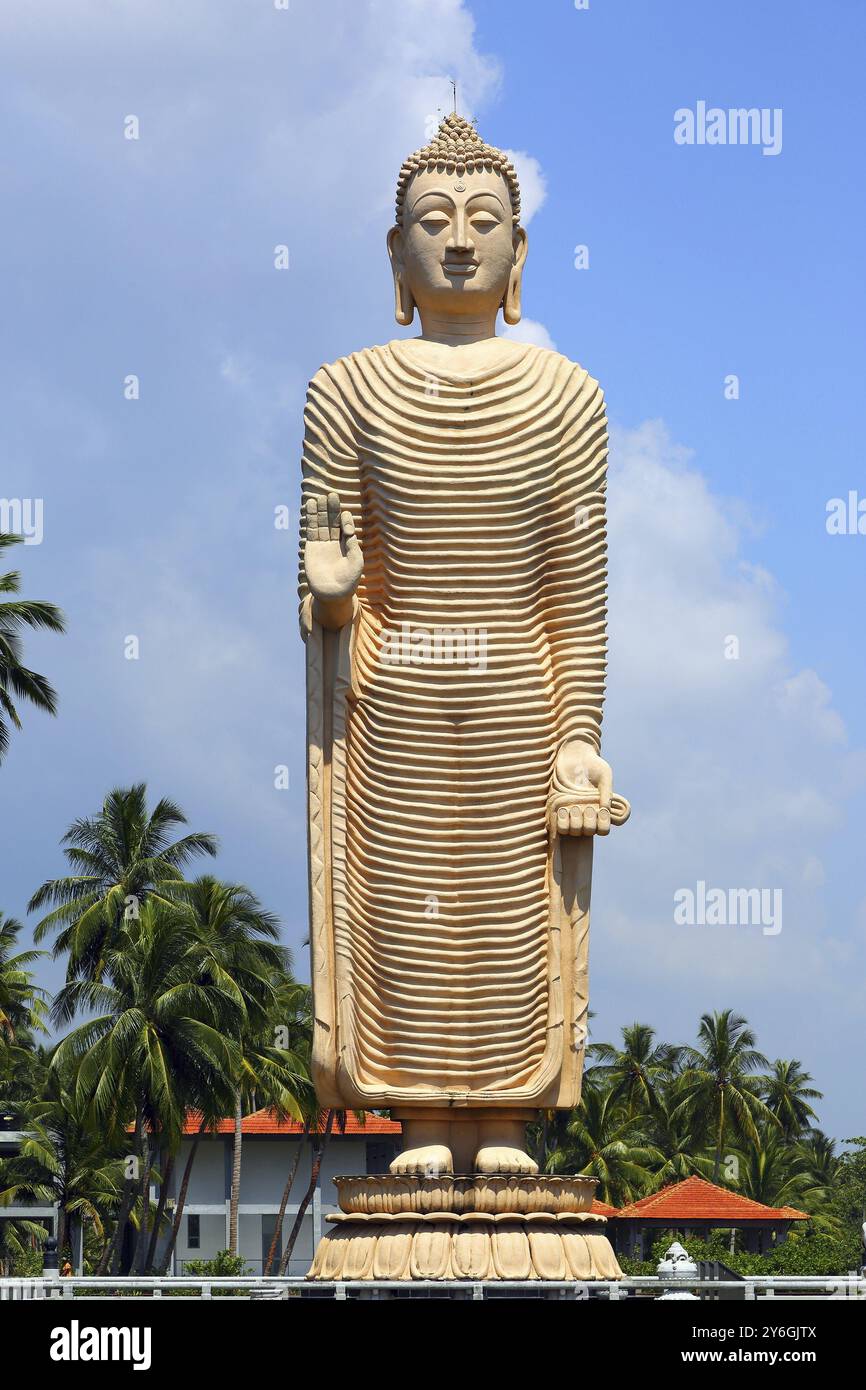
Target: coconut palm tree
[16,681]
[818,1152]
[636,1072]
[160,1033]
[67,1160]
[22,1006]
[120,857]
[719,1087]
[288,1063]
[787,1092]
[237,949]
[681,1146]
[604,1140]
[771,1171]
[18,1236]
[22,1010]
[822,1169]
[295,1009]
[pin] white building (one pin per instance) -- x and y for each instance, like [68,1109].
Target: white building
[268,1153]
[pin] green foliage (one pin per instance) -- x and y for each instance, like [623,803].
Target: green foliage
[633,1268]
[27,1265]
[119,858]
[654,1113]
[17,682]
[224,1265]
[803,1253]
[847,1200]
[813,1253]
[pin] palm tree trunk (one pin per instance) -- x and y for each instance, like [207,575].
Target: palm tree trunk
[284,1202]
[236,1176]
[315,1168]
[62,1231]
[160,1213]
[720,1139]
[181,1198]
[144,1199]
[110,1262]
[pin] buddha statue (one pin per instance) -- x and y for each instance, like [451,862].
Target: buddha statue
[453,589]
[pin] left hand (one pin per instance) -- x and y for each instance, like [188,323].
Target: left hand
[583,772]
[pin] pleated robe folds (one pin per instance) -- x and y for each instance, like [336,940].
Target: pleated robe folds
[448,933]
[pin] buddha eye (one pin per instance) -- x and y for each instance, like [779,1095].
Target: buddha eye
[434,220]
[483,221]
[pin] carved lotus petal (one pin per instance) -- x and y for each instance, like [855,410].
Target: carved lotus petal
[604,1261]
[333,1251]
[577,1253]
[471,1252]
[512,1257]
[359,1252]
[393,1248]
[548,1256]
[431,1253]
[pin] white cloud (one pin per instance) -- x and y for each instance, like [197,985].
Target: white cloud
[533,185]
[805,698]
[527,331]
[736,768]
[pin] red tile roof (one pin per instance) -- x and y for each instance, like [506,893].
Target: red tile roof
[266,1122]
[695,1199]
[602,1208]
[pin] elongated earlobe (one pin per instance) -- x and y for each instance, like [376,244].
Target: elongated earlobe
[511,303]
[404,304]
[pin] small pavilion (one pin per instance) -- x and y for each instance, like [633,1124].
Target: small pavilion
[695,1207]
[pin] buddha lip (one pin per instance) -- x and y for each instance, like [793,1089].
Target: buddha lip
[459,267]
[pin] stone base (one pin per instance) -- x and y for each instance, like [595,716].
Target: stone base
[474,1228]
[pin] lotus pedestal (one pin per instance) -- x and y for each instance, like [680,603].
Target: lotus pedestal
[478,1228]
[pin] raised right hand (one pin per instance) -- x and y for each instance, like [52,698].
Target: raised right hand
[333,562]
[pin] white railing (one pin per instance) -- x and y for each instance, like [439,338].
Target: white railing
[256,1287]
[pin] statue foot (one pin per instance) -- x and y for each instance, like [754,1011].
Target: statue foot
[428,1161]
[501,1146]
[495,1158]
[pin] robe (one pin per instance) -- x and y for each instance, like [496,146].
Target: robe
[448,929]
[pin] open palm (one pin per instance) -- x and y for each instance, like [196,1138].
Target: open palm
[333,562]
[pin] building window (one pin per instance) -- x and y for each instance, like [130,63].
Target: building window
[379,1155]
[193,1232]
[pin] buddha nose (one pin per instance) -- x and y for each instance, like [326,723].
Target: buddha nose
[460,240]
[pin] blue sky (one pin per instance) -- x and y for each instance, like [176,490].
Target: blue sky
[260,127]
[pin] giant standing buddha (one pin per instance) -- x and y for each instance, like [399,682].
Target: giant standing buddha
[453,590]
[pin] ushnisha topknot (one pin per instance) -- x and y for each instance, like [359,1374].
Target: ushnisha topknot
[457,148]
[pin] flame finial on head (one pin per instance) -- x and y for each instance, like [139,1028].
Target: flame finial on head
[457,148]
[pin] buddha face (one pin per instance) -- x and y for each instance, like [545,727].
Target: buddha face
[458,252]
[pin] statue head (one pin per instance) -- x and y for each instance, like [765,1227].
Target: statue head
[457,247]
